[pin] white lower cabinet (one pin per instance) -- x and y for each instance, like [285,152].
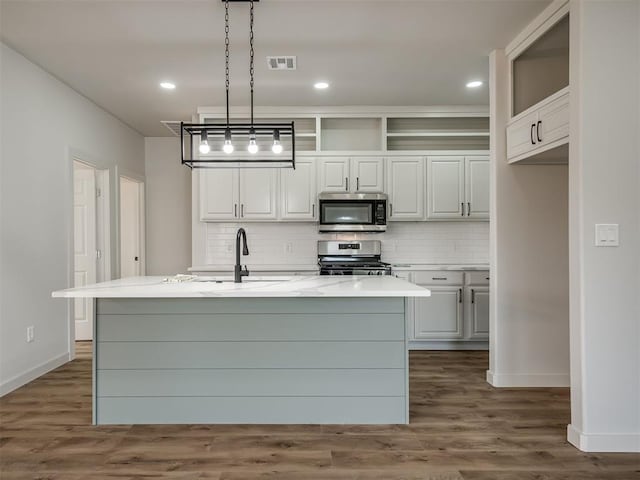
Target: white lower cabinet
[440,315]
[477,313]
[455,316]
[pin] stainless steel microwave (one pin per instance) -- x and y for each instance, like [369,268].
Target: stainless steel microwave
[352,212]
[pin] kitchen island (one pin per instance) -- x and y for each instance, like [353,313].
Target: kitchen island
[317,349]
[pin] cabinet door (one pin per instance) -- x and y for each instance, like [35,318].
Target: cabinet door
[334,175]
[554,120]
[439,317]
[476,180]
[445,187]
[367,175]
[405,187]
[258,197]
[219,194]
[298,191]
[521,135]
[477,312]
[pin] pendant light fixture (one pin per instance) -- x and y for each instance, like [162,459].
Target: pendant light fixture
[221,145]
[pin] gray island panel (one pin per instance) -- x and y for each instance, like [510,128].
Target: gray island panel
[255,360]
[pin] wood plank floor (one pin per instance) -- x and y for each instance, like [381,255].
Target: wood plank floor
[461,429]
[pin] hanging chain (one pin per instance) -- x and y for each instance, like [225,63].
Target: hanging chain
[251,55]
[226,53]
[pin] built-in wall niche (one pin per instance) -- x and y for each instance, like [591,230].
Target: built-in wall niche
[351,134]
[542,69]
[305,128]
[437,133]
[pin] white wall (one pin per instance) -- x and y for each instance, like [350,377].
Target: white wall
[168,204]
[529,319]
[605,188]
[42,122]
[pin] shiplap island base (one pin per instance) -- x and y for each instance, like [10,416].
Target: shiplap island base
[294,350]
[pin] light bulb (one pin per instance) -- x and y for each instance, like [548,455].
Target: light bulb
[204,147]
[277,146]
[228,146]
[253,146]
[204,143]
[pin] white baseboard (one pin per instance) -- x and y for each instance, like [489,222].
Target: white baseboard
[604,442]
[30,375]
[528,380]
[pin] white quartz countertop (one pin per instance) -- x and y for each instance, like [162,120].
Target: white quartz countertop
[256,268]
[437,266]
[223,287]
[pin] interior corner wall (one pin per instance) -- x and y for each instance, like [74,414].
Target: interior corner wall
[529,317]
[168,204]
[42,121]
[605,188]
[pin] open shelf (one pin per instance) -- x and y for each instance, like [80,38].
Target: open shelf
[355,134]
[437,133]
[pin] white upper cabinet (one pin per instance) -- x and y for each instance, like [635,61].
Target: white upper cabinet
[219,194]
[258,193]
[538,131]
[541,130]
[367,174]
[476,185]
[334,175]
[458,187]
[298,194]
[232,194]
[406,188]
[357,174]
[445,181]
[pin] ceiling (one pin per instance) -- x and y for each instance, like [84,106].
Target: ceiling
[373,52]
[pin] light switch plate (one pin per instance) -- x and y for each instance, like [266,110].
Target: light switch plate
[607,235]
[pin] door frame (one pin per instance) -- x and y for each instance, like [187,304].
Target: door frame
[121,173]
[103,229]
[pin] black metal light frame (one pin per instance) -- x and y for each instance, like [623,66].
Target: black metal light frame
[216,131]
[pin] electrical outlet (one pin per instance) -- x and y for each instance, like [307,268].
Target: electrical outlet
[30,334]
[229,248]
[288,247]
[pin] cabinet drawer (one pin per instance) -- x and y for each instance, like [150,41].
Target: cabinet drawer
[477,278]
[438,277]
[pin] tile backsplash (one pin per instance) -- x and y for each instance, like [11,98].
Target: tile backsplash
[403,242]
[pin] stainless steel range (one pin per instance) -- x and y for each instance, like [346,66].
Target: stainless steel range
[361,257]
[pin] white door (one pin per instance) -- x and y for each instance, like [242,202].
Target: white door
[405,187]
[131,227]
[445,187]
[476,179]
[84,244]
[258,193]
[477,308]
[439,317]
[367,174]
[298,191]
[333,175]
[219,194]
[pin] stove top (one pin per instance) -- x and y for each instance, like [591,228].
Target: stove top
[351,258]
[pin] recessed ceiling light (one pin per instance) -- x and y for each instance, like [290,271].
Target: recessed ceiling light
[474,84]
[168,85]
[321,85]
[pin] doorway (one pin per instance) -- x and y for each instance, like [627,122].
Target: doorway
[132,221]
[90,239]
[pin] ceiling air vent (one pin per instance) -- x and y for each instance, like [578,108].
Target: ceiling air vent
[281,63]
[172,125]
